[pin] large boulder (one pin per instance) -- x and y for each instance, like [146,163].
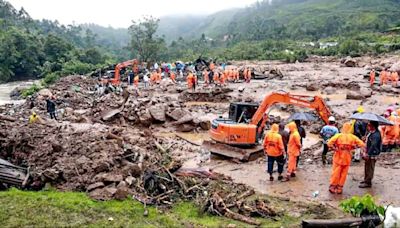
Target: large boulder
[395,67]
[350,62]
[359,95]
[45,93]
[158,113]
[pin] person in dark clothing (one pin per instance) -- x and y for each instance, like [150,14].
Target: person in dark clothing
[374,148]
[301,130]
[284,134]
[302,133]
[51,108]
[360,129]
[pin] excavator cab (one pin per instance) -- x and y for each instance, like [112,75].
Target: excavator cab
[242,112]
[240,115]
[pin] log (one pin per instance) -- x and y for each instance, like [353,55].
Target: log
[7,118]
[347,222]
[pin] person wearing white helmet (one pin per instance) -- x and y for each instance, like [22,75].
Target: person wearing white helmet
[326,133]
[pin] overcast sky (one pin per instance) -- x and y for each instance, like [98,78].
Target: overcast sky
[119,13]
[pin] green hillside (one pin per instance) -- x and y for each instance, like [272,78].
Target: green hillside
[292,19]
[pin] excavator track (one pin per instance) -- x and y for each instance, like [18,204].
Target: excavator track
[241,154]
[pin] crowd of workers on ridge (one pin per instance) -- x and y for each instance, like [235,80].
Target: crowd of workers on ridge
[217,74]
[357,139]
[386,77]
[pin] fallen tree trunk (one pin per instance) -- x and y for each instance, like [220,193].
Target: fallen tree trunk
[347,222]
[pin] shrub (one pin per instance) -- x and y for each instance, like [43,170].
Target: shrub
[31,90]
[364,205]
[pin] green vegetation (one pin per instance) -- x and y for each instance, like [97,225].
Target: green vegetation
[31,48]
[287,30]
[60,209]
[358,206]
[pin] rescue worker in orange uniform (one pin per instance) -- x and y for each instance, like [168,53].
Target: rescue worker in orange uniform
[206,77]
[383,77]
[343,144]
[372,77]
[245,74]
[230,75]
[172,76]
[294,146]
[248,78]
[216,77]
[274,149]
[390,134]
[222,79]
[153,78]
[136,81]
[236,75]
[158,77]
[189,80]
[394,78]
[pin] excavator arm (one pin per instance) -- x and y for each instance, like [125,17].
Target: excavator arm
[311,102]
[117,77]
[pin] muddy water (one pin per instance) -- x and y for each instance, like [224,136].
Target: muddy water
[6,88]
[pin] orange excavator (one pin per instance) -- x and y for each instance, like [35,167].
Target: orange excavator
[239,135]
[116,78]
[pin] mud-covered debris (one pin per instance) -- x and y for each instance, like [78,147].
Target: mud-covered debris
[350,62]
[158,113]
[312,87]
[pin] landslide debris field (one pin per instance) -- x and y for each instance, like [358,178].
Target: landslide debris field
[147,144]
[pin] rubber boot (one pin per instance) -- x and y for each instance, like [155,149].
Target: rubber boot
[332,189]
[339,189]
[324,159]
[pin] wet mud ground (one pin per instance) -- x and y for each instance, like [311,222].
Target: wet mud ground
[312,176]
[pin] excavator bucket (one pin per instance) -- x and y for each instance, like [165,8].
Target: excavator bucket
[237,153]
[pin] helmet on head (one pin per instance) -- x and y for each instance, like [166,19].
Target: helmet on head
[360,109]
[332,119]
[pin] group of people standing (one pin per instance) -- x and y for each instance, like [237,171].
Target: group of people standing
[385,77]
[219,75]
[280,146]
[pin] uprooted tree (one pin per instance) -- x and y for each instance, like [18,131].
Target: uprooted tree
[144,41]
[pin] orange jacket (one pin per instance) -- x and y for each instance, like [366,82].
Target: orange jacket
[383,77]
[249,74]
[390,133]
[172,76]
[153,77]
[343,144]
[216,77]
[136,80]
[395,77]
[372,77]
[294,143]
[273,144]
[189,79]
